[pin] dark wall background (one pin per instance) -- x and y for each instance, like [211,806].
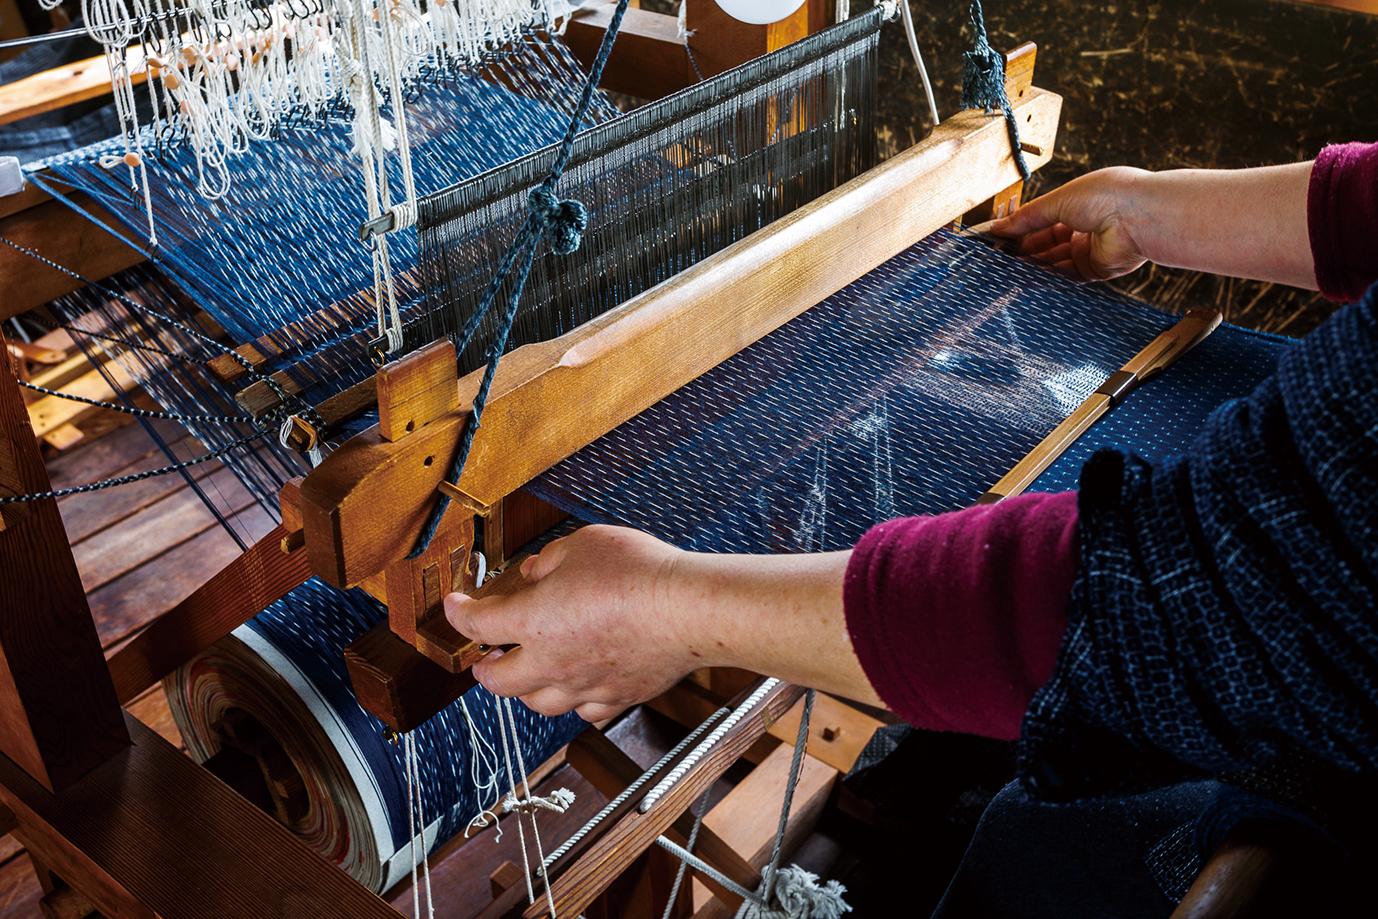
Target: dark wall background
[1224,83]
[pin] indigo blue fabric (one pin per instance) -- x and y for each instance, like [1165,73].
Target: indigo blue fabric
[1130,857]
[312,624]
[1226,614]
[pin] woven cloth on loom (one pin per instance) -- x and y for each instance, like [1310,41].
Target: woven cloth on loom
[281,246]
[910,391]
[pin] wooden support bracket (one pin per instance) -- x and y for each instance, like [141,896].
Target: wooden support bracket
[59,717]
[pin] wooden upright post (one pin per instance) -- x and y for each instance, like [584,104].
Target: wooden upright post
[58,714]
[720,42]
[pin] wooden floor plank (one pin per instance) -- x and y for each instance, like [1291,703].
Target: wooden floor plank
[141,595]
[87,514]
[178,516]
[19,890]
[101,457]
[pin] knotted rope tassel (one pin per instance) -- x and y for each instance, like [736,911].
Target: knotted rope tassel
[563,219]
[983,82]
[798,895]
[556,802]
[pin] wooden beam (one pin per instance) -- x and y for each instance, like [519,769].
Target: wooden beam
[150,833]
[49,413]
[552,398]
[55,230]
[397,683]
[610,770]
[745,819]
[59,717]
[65,85]
[577,886]
[241,590]
[720,42]
[648,61]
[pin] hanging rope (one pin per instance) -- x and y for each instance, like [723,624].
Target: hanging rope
[562,223]
[983,82]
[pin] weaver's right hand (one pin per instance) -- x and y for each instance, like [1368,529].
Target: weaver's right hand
[1085,229]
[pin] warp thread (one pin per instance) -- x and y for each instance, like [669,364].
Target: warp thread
[983,82]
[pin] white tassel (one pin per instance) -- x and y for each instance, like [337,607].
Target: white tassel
[798,895]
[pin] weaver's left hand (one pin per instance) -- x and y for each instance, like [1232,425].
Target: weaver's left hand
[596,623]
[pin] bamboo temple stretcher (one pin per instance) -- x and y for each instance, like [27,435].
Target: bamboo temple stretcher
[125,824]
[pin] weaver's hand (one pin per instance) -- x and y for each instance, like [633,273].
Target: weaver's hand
[596,621]
[1245,223]
[1085,229]
[609,617]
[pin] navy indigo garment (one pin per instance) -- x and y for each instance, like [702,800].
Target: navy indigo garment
[1225,616]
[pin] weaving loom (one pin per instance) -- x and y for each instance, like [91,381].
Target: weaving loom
[761,341]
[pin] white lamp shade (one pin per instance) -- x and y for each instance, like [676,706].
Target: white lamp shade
[759,12]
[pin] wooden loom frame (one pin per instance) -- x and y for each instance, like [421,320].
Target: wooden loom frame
[81,777]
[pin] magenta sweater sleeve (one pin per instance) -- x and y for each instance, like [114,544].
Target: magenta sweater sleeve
[957,619]
[1342,219]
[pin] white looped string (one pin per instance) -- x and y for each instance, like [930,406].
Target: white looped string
[314,453]
[416,822]
[511,726]
[228,72]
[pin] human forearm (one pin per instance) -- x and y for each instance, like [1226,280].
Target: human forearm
[609,617]
[775,614]
[1246,223]
[1249,223]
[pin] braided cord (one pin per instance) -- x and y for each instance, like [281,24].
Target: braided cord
[983,82]
[132,477]
[612,806]
[135,410]
[285,398]
[562,223]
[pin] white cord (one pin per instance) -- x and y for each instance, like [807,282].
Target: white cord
[526,787]
[908,19]
[706,745]
[416,822]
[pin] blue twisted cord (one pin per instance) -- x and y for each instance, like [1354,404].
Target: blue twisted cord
[983,82]
[562,223]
